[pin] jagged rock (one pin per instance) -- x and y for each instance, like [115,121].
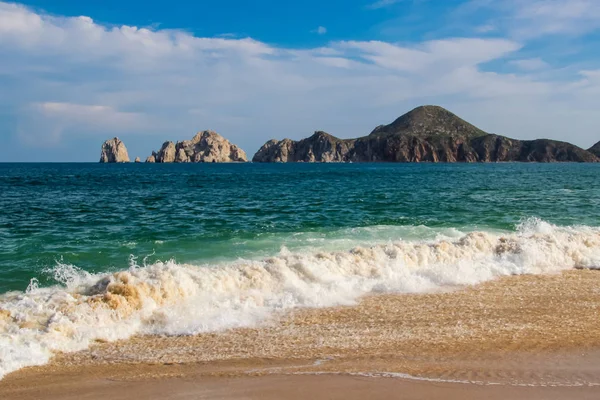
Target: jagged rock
[205,146]
[595,149]
[500,148]
[410,148]
[152,158]
[425,134]
[114,151]
[137,160]
[320,147]
[166,154]
[276,151]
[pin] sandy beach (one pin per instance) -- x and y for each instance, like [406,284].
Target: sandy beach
[516,337]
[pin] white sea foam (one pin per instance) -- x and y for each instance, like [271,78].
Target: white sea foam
[171,298]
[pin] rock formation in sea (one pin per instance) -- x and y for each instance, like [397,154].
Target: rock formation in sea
[114,151]
[137,160]
[425,134]
[595,149]
[206,146]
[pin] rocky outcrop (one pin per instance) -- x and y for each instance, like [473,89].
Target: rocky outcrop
[410,148]
[425,134]
[500,148]
[137,160]
[206,146]
[320,147]
[114,151]
[595,149]
[166,154]
[428,121]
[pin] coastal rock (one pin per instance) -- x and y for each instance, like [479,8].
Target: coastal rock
[166,154]
[595,149]
[181,156]
[276,151]
[425,134]
[320,147]
[205,146]
[426,121]
[152,158]
[114,151]
[499,148]
[410,148]
[137,160]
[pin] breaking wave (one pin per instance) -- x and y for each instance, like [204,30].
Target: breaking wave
[174,299]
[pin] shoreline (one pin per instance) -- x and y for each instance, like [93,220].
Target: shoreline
[276,387]
[523,334]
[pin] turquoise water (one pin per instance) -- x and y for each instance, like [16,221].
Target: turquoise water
[97,216]
[104,252]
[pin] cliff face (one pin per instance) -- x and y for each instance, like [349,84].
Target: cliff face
[412,148]
[114,151]
[500,148]
[595,149]
[206,146]
[320,147]
[425,134]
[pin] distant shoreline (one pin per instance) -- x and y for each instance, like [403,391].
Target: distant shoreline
[311,163]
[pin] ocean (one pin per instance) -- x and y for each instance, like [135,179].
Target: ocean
[107,251]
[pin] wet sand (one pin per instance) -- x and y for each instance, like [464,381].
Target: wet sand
[516,337]
[293,387]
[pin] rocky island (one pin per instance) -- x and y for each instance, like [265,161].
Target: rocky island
[425,134]
[114,151]
[206,146]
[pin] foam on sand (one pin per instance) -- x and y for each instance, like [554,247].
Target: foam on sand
[171,298]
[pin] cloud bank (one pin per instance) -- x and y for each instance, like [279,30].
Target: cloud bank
[70,78]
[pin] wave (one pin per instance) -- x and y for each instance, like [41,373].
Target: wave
[182,299]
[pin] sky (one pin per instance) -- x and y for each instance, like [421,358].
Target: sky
[74,73]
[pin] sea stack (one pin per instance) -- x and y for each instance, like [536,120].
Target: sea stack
[425,134]
[137,160]
[114,151]
[206,146]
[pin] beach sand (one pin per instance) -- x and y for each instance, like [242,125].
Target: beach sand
[530,337]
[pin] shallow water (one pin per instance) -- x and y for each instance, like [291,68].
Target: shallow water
[96,216]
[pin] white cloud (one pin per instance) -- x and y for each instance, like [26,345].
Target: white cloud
[434,54]
[530,64]
[487,28]
[68,77]
[82,112]
[383,4]
[528,19]
[46,123]
[321,30]
[539,17]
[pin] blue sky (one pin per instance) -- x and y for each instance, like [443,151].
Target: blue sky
[75,73]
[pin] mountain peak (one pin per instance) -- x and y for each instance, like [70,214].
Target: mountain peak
[429,120]
[323,135]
